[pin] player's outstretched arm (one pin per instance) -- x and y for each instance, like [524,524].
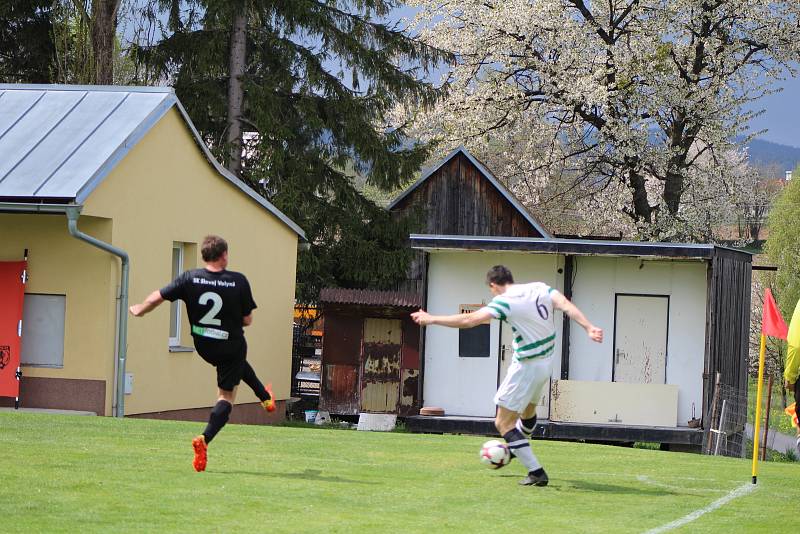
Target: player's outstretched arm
[462,320]
[151,302]
[562,303]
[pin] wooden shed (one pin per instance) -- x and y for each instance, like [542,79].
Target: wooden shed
[370,352]
[674,316]
[457,195]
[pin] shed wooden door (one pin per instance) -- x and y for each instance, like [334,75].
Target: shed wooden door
[380,372]
[640,339]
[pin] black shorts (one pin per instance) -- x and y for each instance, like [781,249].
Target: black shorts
[228,356]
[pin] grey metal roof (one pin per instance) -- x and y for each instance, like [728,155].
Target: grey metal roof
[59,142]
[578,247]
[487,174]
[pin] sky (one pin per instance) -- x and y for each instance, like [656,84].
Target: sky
[781,115]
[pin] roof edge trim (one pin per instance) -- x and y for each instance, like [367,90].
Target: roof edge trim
[573,246]
[70,87]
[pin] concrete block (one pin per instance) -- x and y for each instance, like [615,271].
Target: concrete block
[381,422]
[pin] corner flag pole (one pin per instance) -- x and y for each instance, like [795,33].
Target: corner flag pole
[757,421]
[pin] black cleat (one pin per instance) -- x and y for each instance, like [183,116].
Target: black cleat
[534,480]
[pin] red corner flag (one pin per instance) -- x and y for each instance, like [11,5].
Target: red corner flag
[772,323]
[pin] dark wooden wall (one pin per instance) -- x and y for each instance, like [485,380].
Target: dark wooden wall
[728,326]
[458,200]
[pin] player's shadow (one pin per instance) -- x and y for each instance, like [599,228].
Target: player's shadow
[308,474]
[595,487]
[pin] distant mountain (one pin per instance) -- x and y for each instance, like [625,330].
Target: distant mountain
[767,153]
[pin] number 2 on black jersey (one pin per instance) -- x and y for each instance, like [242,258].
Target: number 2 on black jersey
[211,315]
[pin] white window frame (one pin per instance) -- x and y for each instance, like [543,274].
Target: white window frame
[175,307]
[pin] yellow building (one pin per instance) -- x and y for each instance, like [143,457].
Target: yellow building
[91,174]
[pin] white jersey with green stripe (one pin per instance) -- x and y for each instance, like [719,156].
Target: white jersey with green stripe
[528,308]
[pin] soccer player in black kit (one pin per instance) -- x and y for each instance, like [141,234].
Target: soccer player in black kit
[219,304]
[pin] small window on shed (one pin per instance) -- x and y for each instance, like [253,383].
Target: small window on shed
[43,330]
[473,342]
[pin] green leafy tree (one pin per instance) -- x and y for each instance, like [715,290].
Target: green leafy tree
[27,51]
[294,96]
[783,245]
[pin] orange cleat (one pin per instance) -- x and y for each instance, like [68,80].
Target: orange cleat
[200,457]
[269,404]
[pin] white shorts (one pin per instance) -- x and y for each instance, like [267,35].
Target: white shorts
[524,383]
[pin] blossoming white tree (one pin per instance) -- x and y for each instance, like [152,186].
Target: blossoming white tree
[626,111]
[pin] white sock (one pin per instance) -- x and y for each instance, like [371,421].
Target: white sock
[521,448]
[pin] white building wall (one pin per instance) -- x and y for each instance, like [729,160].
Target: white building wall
[598,279]
[466,386]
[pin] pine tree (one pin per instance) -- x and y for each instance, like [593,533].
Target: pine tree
[27,51]
[316,80]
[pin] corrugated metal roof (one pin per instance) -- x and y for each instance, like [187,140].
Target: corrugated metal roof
[58,142]
[369,297]
[488,175]
[572,246]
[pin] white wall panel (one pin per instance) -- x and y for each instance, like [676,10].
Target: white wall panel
[466,386]
[598,279]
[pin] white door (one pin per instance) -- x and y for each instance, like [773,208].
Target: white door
[506,353]
[640,339]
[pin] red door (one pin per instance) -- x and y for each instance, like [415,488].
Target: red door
[12,294]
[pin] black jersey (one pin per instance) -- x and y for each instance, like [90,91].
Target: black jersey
[215,301]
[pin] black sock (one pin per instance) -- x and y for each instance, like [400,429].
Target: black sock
[537,472]
[219,416]
[526,426]
[514,436]
[249,377]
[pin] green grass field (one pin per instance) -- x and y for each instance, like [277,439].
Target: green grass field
[96,474]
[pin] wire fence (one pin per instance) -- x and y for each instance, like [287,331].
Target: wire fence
[726,420]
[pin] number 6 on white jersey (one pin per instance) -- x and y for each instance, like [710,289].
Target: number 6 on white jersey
[211,316]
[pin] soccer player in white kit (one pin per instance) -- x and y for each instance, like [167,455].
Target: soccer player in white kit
[528,308]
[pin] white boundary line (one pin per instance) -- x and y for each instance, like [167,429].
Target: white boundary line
[742,490]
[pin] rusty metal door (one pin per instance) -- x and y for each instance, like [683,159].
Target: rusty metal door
[380,371]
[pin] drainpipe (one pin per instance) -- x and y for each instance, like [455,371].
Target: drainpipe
[73,212]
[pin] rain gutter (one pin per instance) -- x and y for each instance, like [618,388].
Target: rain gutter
[73,213]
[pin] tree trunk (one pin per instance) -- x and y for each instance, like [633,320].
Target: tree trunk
[641,206]
[673,189]
[236,65]
[104,31]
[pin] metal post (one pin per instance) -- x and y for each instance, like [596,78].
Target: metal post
[713,409]
[720,432]
[766,423]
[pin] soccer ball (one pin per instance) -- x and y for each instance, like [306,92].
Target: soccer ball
[495,454]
